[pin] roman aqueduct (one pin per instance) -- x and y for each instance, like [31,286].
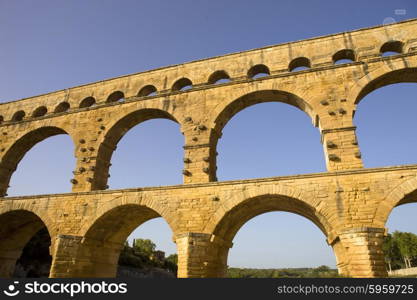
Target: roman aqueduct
[349,203]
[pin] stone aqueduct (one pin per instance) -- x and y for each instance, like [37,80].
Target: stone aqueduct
[349,203]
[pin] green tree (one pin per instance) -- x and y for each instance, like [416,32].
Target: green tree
[144,246]
[407,244]
[389,248]
[400,249]
[173,258]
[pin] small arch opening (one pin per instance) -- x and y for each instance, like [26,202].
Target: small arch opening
[62,107]
[18,116]
[344,56]
[117,96]
[39,112]
[182,84]
[258,71]
[218,77]
[299,64]
[87,102]
[391,48]
[148,90]
[1,119]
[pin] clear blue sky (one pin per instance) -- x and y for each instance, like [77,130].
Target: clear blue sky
[51,45]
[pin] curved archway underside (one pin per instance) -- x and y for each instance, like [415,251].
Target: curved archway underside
[16,152]
[236,217]
[397,76]
[260,97]
[113,136]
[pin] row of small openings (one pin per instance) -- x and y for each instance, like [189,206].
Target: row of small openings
[183,84]
[38,112]
[260,70]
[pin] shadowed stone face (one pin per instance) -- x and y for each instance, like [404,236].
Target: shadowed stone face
[348,203]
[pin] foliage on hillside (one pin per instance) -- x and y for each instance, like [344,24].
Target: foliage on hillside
[400,249]
[141,255]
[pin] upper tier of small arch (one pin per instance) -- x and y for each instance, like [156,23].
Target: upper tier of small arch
[355,46]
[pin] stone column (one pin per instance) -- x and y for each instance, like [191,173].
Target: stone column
[341,149]
[86,171]
[363,251]
[199,154]
[342,260]
[5,175]
[76,256]
[201,255]
[199,163]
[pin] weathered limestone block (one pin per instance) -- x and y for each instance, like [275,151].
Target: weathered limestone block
[201,255]
[76,256]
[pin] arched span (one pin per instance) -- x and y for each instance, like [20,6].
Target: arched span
[104,238]
[228,222]
[114,135]
[217,75]
[18,150]
[225,113]
[404,193]
[18,227]
[115,224]
[401,72]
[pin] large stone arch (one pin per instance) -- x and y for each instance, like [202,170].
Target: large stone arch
[246,205]
[104,236]
[401,70]
[225,111]
[115,132]
[403,193]
[18,227]
[243,206]
[110,208]
[22,144]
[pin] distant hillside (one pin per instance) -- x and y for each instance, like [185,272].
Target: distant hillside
[319,272]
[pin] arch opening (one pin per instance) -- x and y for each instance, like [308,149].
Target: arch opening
[391,48]
[217,77]
[182,84]
[344,56]
[116,96]
[258,71]
[153,155]
[406,75]
[18,116]
[38,167]
[39,112]
[386,124]
[257,136]
[24,245]
[115,229]
[147,90]
[87,102]
[299,64]
[62,107]
[269,209]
